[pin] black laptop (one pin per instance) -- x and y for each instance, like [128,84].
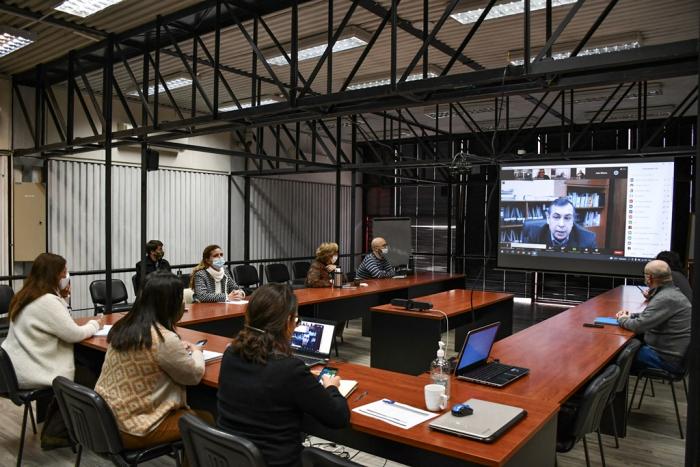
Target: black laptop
[312,341]
[473,361]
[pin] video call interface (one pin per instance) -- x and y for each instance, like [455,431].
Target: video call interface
[607,218]
[312,338]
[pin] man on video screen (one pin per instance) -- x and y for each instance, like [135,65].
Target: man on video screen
[559,230]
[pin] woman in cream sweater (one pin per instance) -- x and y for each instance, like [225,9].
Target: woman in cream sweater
[147,366]
[42,332]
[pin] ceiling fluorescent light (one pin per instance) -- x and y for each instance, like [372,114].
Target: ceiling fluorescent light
[603,49]
[313,47]
[474,107]
[12,39]
[247,105]
[85,8]
[582,96]
[172,83]
[506,9]
[657,111]
[383,80]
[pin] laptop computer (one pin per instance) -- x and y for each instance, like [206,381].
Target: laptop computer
[472,364]
[312,340]
[489,421]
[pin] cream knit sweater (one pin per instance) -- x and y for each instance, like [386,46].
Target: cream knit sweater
[40,342]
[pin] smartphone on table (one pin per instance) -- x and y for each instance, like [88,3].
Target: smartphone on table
[327,370]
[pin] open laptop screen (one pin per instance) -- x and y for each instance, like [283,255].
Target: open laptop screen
[312,337]
[477,346]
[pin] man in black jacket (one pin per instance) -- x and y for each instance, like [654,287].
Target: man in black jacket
[153,261]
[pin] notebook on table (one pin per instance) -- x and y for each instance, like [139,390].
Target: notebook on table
[312,341]
[489,421]
[473,364]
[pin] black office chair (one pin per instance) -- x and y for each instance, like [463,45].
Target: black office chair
[314,457]
[277,272]
[300,270]
[185,279]
[135,284]
[578,419]
[624,362]
[207,446]
[9,389]
[6,294]
[98,293]
[91,425]
[246,276]
[651,374]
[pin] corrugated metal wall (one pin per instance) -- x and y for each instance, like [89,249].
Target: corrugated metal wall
[291,218]
[187,211]
[4,210]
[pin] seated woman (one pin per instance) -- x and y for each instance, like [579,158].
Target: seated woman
[264,391]
[148,402]
[42,331]
[322,267]
[210,280]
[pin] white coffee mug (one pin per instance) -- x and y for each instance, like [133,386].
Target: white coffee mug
[435,397]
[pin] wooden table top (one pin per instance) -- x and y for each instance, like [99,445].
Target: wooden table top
[451,302]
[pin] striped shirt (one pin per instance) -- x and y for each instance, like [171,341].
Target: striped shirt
[374,268]
[205,287]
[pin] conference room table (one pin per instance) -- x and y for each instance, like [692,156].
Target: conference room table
[529,442]
[328,303]
[406,340]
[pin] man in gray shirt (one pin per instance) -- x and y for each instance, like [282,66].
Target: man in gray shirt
[665,322]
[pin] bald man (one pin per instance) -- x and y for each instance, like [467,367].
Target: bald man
[375,265]
[665,322]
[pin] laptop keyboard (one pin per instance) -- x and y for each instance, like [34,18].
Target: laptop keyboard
[309,361]
[488,371]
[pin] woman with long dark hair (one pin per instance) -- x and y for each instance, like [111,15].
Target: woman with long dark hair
[147,366]
[42,331]
[210,281]
[264,391]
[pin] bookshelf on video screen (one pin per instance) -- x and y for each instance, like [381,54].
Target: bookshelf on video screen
[607,218]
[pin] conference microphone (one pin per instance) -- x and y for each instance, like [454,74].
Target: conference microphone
[411,305]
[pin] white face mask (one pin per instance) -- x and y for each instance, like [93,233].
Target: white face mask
[64,282]
[385,250]
[334,259]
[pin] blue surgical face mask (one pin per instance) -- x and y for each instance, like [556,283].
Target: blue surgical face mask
[219,263]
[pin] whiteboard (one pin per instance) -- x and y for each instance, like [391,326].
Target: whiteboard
[397,233]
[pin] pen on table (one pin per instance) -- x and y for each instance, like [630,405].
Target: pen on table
[359,398]
[410,409]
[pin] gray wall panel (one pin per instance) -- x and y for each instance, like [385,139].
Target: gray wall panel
[4,212]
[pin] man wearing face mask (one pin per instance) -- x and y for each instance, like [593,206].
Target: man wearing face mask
[321,269]
[665,322]
[375,265]
[154,260]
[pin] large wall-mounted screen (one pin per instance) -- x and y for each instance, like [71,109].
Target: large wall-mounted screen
[607,218]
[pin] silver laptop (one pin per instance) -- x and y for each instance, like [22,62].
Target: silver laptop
[312,341]
[489,421]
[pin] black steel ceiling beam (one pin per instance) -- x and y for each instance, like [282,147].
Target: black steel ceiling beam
[57,22]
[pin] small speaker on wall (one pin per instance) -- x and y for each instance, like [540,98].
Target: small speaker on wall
[152,159]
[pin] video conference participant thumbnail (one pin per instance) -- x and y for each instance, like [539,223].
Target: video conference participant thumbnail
[559,230]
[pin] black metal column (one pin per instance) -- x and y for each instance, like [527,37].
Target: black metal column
[144,164]
[107,134]
[246,219]
[338,187]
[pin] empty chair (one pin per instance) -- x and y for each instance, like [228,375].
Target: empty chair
[277,272]
[314,457]
[246,276]
[135,284]
[98,293]
[185,278]
[300,269]
[9,389]
[577,420]
[624,362]
[651,374]
[206,446]
[91,425]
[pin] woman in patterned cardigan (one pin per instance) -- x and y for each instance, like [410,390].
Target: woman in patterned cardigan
[210,281]
[147,366]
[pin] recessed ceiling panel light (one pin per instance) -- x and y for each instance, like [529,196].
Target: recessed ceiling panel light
[12,39]
[247,105]
[597,50]
[506,9]
[384,81]
[85,8]
[312,47]
[172,83]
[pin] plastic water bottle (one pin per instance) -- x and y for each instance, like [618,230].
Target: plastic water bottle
[440,369]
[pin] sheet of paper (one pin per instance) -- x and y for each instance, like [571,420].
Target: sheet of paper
[210,355]
[395,413]
[237,302]
[104,331]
